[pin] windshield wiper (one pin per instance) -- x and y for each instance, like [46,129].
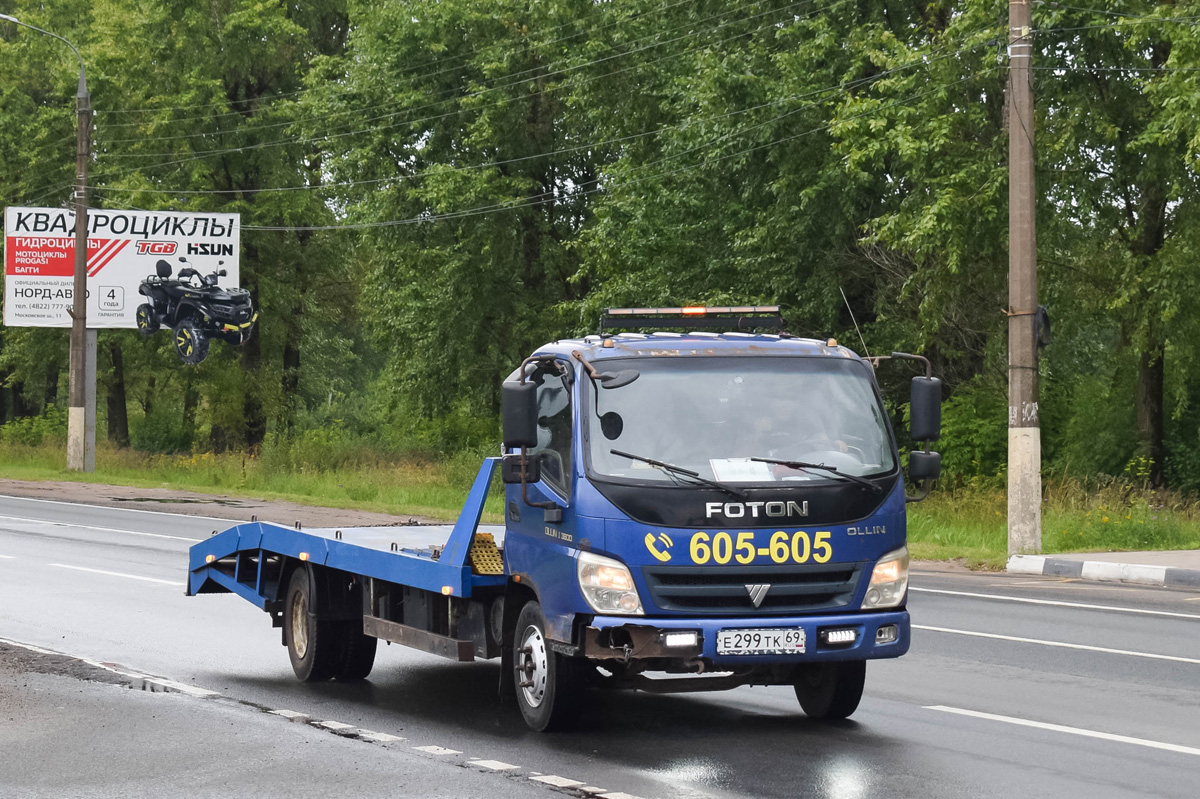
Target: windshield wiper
[832,469]
[671,468]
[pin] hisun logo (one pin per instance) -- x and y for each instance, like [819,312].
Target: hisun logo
[755,510]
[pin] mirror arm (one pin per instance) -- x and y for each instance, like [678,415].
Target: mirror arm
[525,486]
[591,370]
[875,360]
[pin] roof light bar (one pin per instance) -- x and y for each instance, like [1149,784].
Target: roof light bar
[693,310]
[692,317]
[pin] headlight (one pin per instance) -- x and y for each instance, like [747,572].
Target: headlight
[888,581]
[607,585]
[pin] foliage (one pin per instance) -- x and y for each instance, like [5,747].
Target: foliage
[431,190]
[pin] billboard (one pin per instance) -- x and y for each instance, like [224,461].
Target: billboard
[124,248]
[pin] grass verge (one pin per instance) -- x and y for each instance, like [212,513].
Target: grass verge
[423,487]
[971,524]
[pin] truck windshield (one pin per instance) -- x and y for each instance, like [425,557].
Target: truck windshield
[715,415]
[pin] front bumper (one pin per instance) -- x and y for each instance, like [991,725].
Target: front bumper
[630,639]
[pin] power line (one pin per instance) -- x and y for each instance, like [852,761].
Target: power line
[432,62]
[328,136]
[451,96]
[844,86]
[545,197]
[411,79]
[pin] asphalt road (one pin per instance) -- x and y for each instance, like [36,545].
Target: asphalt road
[1013,686]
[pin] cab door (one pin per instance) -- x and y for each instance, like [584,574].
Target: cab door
[541,544]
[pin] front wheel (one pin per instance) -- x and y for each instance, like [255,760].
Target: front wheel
[830,690]
[549,685]
[190,341]
[147,319]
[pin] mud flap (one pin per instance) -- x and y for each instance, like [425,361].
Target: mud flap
[514,600]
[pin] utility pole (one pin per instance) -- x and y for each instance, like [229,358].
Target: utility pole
[81,413]
[1024,435]
[81,447]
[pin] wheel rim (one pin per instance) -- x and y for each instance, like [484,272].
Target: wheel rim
[300,625]
[533,667]
[143,319]
[183,340]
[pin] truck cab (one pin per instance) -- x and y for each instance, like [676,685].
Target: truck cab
[701,510]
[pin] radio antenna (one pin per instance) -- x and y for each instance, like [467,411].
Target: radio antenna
[855,321]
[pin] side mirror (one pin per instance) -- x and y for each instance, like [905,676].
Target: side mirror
[924,466]
[221,273]
[925,409]
[512,473]
[518,409]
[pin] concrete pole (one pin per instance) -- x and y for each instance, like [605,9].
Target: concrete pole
[81,437]
[89,403]
[1024,435]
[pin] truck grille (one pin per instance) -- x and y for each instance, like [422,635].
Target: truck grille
[722,590]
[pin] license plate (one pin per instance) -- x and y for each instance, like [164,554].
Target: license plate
[789,641]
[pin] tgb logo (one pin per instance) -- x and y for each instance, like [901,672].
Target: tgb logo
[156,247]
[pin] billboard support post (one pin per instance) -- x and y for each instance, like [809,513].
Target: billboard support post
[81,449]
[81,425]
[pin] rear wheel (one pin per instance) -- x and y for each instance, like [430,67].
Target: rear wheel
[190,341]
[830,690]
[147,319]
[314,645]
[549,685]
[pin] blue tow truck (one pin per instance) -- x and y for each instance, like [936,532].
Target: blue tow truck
[684,511]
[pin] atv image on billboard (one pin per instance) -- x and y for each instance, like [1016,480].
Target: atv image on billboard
[195,309]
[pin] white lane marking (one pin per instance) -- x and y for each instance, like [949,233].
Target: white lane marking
[93,527]
[556,781]
[381,737]
[1041,725]
[335,726]
[290,715]
[119,574]
[122,510]
[1061,644]
[494,765]
[1056,603]
[437,750]
[618,795]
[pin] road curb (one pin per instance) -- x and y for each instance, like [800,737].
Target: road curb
[1103,571]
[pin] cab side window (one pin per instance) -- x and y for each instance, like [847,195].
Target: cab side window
[554,429]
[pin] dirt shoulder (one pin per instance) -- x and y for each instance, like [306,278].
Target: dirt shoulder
[221,506]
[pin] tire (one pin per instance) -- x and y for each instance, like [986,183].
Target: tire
[358,653]
[549,686]
[314,645]
[190,341]
[830,690]
[147,319]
